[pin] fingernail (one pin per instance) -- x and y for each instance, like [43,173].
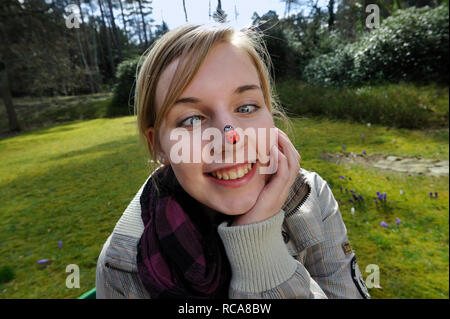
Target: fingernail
[274,149]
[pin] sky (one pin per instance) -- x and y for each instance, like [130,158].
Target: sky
[198,10]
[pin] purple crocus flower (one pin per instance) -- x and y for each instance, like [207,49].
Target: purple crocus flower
[351,201]
[341,177]
[340,188]
[60,244]
[354,196]
[344,147]
[42,261]
[398,221]
[352,190]
[380,197]
[383,223]
[340,202]
[360,197]
[364,152]
[376,202]
[384,196]
[431,194]
[435,194]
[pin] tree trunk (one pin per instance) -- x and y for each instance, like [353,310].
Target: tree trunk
[123,20]
[185,12]
[86,66]
[331,16]
[5,92]
[108,40]
[94,42]
[143,23]
[137,24]
[209,10]
[83,41]
[116,33]
[80,46]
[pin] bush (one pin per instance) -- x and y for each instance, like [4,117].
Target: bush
[411,45]
[399,105]
[123,98]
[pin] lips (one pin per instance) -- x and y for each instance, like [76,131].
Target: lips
[236,182]
[232,173]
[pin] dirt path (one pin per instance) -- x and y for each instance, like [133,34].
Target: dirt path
[413,165]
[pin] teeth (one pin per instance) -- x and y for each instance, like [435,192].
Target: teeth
[232,174]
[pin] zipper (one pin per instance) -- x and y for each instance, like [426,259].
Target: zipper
[302,201]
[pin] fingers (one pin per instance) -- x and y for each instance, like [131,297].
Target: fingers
[284,162]
[289,150]
[280,168]
[292,147]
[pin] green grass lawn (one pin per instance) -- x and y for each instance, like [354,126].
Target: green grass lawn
[71,183]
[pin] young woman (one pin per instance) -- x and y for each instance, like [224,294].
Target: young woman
[223,228]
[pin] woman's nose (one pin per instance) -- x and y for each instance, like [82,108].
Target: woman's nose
[230,134]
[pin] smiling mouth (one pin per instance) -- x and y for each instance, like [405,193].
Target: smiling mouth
[232,173]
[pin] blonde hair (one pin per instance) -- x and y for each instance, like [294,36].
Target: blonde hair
[191,43]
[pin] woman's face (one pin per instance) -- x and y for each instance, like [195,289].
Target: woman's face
[215,101]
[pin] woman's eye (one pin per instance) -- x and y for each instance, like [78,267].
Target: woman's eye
[248,108]
[190,121]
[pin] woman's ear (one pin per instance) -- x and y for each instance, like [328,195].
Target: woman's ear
[150,134]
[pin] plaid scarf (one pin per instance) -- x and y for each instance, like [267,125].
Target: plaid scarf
[180,254]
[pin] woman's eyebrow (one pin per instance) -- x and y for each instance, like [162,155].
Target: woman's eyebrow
[247,87]
[241,89]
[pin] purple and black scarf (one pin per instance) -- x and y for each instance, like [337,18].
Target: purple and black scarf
[180,254]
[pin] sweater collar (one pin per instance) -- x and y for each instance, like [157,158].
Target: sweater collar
[121,252]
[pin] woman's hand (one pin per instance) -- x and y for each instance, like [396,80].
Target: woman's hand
[276,191]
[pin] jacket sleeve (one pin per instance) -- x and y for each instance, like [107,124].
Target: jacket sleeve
[261,264]
[331,262]
[104,288]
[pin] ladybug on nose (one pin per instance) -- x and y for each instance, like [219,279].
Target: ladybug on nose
[231,136]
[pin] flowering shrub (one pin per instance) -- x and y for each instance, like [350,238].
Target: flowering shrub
[411,45]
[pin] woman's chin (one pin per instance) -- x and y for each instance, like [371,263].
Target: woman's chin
[235,207]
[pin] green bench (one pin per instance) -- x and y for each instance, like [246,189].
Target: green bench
[89,294]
